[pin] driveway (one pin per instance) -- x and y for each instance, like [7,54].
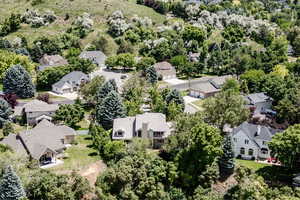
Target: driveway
[175,81]
[70,96]
[189,107]
[109,74]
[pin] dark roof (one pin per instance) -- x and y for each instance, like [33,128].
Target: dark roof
[98,57]
[73,77]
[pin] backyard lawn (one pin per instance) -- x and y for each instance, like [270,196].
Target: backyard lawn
[78,156]
[255,166]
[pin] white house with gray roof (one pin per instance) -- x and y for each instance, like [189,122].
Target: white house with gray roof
[43,143]
[97,57]
[148,125]
[36,110]
[70,82]
[250,141]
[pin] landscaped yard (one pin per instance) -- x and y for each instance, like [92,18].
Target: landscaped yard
[78,156]
[251,164]
[198,103]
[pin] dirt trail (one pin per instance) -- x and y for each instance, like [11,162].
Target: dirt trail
[92,171]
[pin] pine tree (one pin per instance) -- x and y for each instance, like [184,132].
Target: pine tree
[10,186]
[226,161]
[151,75]
[176,97]
[18,81]
[105,89]
[5,112]
[114,84]
[109,109]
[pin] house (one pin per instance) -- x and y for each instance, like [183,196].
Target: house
[70,82]
[250,141]
[43,143]
[51,61]
[97,57]
[36,110]
[207,87]
[148,125]
[259,102]
[165,70]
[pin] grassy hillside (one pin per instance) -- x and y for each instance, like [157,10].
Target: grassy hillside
[99,9]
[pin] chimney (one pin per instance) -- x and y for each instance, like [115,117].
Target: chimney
[145,129]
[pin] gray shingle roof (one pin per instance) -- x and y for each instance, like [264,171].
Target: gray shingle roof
[218,81]
[205,87]
[126,125]
[258,98]
[39,106]
[164,68]
[71,78]
[51,61]
[98,57]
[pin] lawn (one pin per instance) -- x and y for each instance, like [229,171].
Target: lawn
[255,166]
[79,156]
[198,103]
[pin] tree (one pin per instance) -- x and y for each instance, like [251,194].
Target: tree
[194,33]
[8,128]
[109,109]
[70,114]
[175,97]
[83,65]
[10,24]
[226,161]
[225,108]
[233,33]
[104,90]
[231,84]
[151,75]
[44,97]
[18,81]
[280,70]
[144,63]
[89,90]
[5,112]
[11,187]
[285,146]
[253,78]
[125,60]
[11,99]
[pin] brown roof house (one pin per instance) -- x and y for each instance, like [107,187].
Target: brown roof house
[208,87]
[43,143]
[36,110]
[165,70]
[51,61]
[148,125]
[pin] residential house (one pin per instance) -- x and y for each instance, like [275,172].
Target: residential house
[259,102]
[165,70]
[250,141]
[51,61]
[70,82]
[36,110]
[148,125]
[97,57]
[208,87]
[43,143]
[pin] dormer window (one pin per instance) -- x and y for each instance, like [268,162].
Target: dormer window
[119,133]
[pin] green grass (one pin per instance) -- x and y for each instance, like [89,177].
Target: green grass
[79,156]
[255,166]
[198,103]
[99,11]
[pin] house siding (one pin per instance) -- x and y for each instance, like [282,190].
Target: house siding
[239,142]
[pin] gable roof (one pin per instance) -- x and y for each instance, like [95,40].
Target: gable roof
[96,56]
[205,87]
[45,136]
[39,106]
[51,61]
[164,68]
[73,77]
[126,125]
[255,98]
[218,81]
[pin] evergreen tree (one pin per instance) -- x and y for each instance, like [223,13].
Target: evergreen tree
[176,97]
[151,75]
[226,161]
[5,112]
[8,128]
[18,81]
[10,186]
[105,89]
[109,109]
[114,84]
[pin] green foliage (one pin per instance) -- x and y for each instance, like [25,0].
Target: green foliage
[285,146]
[9,59]
[233,33]
[125,60]
[84,65]
[232,85]
[226,161]
[69,114]
[151,75]
[5,112]
[104,90]
[105,44]
[89,90]
[219,112]
[44,45]
[194,33]
[174,96]
[10,186]
[109,109]
[8,128]
[46,185]
[18,81]
[11,24]
[145,62]
[253,78]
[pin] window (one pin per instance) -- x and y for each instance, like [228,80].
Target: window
[264,142]
[250,152]
[119,134]
[264,151]
[234,139]
[246,141]
[242,151]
